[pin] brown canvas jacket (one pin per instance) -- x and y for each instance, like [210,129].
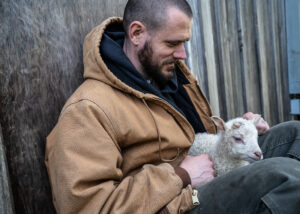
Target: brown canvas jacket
[112,148]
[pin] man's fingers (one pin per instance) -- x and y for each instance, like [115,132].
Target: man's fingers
[250,116]
[262,126]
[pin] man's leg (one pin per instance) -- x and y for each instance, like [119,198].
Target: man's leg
[267,186]
[282,140]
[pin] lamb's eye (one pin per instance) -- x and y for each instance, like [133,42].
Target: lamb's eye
[238,139]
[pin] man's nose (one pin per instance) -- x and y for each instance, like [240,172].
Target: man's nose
[180,52]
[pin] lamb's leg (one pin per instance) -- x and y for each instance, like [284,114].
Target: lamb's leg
[273,183]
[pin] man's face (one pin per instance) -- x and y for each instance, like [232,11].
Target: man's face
[164,46]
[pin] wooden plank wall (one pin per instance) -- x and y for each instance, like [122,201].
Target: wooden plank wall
[238,54]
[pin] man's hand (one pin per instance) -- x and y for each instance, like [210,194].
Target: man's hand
[262,126]
[200,169]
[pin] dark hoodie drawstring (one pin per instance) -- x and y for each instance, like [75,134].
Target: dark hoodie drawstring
[159,138]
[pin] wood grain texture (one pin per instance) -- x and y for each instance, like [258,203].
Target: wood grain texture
[239,57]
[277,61]
[267,71]
[6,198]
[39,69]
[210,47]
[284,61]
[250,66]
[230,56]
[194,48]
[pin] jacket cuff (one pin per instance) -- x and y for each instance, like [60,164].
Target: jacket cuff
[183,174]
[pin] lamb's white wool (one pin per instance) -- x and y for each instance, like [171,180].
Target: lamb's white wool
[234,146]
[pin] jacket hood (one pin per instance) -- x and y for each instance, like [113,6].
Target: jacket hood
[105,61]
[94,66]
[108,38]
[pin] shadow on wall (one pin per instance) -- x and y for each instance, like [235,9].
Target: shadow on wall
[40,66]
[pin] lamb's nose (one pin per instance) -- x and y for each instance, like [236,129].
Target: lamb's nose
[258,155]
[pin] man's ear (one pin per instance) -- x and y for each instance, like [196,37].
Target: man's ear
[137,33]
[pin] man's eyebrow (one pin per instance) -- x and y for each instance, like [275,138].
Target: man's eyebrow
[177,41]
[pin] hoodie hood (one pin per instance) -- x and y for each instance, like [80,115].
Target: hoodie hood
[105,61]
[94,65]
[103,58]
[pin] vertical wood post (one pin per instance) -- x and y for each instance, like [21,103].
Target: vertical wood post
[230,57]
[207,11]
[194,47]
[268,82]
[277,60]
[249,56]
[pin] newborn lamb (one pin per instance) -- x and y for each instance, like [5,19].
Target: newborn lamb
[234,146]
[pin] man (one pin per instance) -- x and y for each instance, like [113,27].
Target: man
[121,141]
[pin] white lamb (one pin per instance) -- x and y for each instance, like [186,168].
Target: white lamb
[235,145]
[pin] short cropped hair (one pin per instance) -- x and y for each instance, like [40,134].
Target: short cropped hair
[152,13]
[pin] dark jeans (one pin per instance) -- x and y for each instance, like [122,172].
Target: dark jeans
[268,186]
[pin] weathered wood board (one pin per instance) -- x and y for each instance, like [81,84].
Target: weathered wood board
[40,66]
[251,72]
[6,198]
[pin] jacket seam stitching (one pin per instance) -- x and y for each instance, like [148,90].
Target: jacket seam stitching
[111,123]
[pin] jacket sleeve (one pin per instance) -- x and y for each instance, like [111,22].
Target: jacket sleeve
[84,165]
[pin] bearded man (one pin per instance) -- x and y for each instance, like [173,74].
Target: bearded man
[121,141]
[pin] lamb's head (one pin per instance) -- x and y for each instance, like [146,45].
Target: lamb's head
[239,137]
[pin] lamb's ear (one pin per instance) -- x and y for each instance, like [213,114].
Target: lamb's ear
[219,123]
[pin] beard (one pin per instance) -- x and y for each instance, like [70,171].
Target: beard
[154,70]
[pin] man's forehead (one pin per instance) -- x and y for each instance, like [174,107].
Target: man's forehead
[177,27]
[180,32]
[175,14]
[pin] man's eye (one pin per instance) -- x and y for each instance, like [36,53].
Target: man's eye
[172,44]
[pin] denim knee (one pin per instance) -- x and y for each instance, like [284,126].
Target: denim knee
[283,140]
[281,166]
